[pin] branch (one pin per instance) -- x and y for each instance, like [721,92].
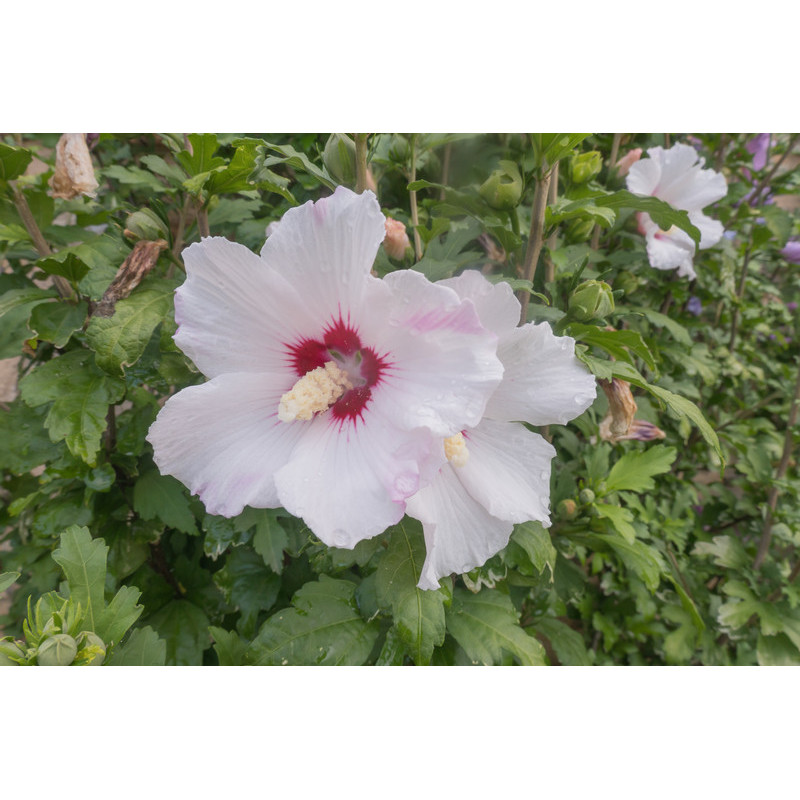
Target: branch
[535,239]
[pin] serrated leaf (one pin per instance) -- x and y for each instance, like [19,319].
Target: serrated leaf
[230,648]
[686,408]
[184,628]
[18,297]
[640,558]
[13,161]
[201,157]
[269,541]
[663,214]
[486,626]
[552,147]
[69,266]
[83,560]
[446,255]
[144,648]
[323,627]
[8,579]
[777,651]
[620,518]
[56,322]
[566,209]
[157,496]
[172,172]
[117,617]
[295,159]
[24,441]
[779,223]
[567,643]
[679,333]
[80,395]
[535,540]
[634,471]
[727,551]
[617,343]
[418,614]
[120,340]
[134,176]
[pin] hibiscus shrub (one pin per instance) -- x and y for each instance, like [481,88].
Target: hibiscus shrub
[480,399]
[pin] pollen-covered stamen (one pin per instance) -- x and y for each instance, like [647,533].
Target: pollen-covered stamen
[316,391]
[455,448]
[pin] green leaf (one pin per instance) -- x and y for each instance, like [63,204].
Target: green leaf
[727,551]
[323,627]
[120,340]
[18,297]
[201,158]
[144,648]
[486,625]
[620,518]
[247,584]
[779,223]
[69,266]
[157,496]
[549,148]
[56,322]
[565,209]
[13,161]
[269,541]
[663,214]
[24,442]
[777,651]
[118,616]
[641,559]
[172,172]
[535,540]
[635,470]
[686,408]
[567,643]
[8,579]
[678,332]
[418,613]
[230,648]
[83,560]
[294,159]
[134,176]
[184,627]
[617,343]
[446,255]
[80,395]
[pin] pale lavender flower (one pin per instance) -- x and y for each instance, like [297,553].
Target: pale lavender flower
[759,147]
[792,252]
[694,306]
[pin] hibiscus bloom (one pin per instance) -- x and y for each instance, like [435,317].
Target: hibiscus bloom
[497,473]
[677,177]
[326,384]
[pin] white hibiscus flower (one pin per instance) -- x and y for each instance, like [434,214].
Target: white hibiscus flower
[677,177]
[326,383]
[497,473]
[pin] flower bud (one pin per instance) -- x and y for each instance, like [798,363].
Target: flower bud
[627,161]
[74,173]
[145,224]
[627,282]
[9,653]
[502,190]
[57,651]
[579,230]
[619,424]
[92,651]
[396,240]
[792,252]
[586,496]
[567,509]
[591,300]
[339,158]
[585,166]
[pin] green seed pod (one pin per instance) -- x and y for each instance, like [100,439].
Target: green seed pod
[567,509]
[591,300]
[57,651]
[503,188]
[9,652]
[586,496]
[146,224]
[627,282]
[579,230]
[339,158]
[585,166]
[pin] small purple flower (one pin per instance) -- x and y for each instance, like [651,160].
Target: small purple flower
[792,252]
[694,306]
[729,235]
[791,305]
[759,147]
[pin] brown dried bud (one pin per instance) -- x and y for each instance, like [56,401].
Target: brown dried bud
[396,240]
[619,423]
[74,173]
[142,259]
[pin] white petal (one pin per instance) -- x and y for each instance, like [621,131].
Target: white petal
[460,534]
[498,308]
[673,249]
[644,176]
[544,382]
[350,482]
[234,313]
[444,363]
[508,471]
[711,230]
[326,249]
[223,440]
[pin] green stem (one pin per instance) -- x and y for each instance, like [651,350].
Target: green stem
[413,200]
[612,160]
[535,239]
[361,162]
[202,220]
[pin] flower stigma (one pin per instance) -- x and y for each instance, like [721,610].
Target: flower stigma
[455,448]
[315,392]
